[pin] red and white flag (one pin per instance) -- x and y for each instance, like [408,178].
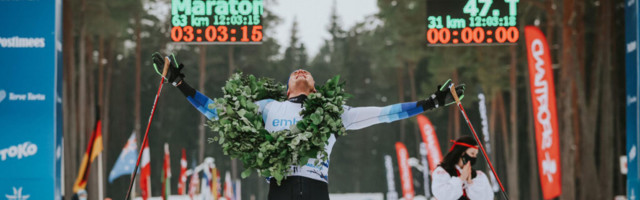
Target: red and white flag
[193,186]
[182,184]
[544,111]
[166,173]
[145,173]
[434,154]
[228,186]
[405,171]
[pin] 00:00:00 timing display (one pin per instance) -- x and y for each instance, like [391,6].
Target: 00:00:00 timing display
[473,36]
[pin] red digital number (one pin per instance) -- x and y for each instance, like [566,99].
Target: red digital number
[188,36]
[176,33]
[478,35]
[467,35]
[244,34]
[256,33]
[223,34]
[513,34]
[444,35]
[210,33]
[432,36]
[501,34]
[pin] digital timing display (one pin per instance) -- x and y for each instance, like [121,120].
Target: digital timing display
[472,22]
[216,21]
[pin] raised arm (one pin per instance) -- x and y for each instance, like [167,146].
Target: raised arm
[361,117]
[176,77]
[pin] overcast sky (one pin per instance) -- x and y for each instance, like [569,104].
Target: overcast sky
[313,18]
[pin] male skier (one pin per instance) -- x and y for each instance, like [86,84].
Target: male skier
[309,182]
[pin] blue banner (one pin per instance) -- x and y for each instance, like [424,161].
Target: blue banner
[30,99]
[631,72]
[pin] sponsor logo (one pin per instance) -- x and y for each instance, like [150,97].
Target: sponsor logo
[543,115]
[631,46]
[20,42]
[19,151]
[542,95]
[3,94]
[17,195]
[29,96]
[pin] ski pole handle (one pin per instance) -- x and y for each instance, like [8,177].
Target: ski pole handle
[167,62]
[454,93]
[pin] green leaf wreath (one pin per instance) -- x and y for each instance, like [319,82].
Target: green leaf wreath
[242,134]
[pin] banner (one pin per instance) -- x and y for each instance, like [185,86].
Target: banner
[544,111]
[391,185]
[94,148]
[31,100]
[482,106]
[145,173]
[405,172]
[632,106]
[431,140]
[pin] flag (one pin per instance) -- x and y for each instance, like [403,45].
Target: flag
[145,173]
[482,106]
[228,188]
[544,111]
[207,179]
[214,183]
[193,186]
[127,159]
[182,184]
[166,173]
[237,188]
[431,142]
[391,185]
[94,148]
[405,171]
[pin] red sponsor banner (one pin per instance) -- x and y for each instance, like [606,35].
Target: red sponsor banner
[405,171]
[429,138]
[544,111]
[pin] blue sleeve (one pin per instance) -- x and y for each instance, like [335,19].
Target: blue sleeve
[361,117]
[204,104]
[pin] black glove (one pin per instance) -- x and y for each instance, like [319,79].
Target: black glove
[442,96]
[174,74]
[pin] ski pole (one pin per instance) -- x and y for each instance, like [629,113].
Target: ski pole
[475,135]
[146,133]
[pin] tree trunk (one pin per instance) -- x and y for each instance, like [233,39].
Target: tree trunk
[566,80]
[512,170]
[534,184]
[456,113]
[400,83]
[136,95]
[232,66]
[202,80]
[69,104]
[607,157]
[412,84]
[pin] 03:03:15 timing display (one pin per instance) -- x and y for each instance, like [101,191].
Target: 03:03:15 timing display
[472,22]
[217,34]
[216,21]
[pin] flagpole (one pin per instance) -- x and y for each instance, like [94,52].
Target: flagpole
[100,178]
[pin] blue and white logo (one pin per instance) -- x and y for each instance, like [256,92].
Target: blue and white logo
[3,94]
[17,194]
